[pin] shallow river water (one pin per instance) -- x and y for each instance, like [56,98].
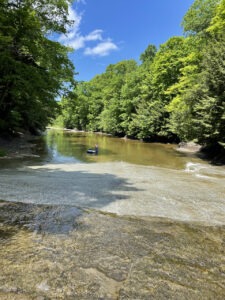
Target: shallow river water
[136,221]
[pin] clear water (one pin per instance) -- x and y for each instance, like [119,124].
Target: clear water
[65,147]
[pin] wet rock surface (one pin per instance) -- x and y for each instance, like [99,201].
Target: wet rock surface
[22,146]
[188,147]
[196,194]
[61,252]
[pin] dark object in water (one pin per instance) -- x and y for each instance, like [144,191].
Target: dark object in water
[93,151]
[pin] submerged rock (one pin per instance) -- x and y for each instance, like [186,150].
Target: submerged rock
[104,256]
[188,147]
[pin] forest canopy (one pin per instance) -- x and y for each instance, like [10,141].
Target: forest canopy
[34,69]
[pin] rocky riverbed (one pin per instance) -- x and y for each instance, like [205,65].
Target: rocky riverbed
[62,252]
[21,146]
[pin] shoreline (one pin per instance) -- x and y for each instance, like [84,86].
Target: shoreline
[23,145]
[20,146]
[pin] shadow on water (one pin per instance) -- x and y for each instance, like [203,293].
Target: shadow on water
[70,187]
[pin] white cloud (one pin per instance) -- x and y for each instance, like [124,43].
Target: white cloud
[77,41]
[102,49]
[73,31]
[81,1]
[95,35]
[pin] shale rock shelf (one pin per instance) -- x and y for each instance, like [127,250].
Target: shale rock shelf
[62,252]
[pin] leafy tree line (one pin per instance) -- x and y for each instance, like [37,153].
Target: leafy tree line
[34,70]
[177,92]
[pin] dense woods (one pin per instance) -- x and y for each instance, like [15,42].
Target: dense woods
[175,92]
[34,69]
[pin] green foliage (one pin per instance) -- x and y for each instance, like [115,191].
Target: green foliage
[197,111]
[161,75]
[217,25]
[111,88]
[58,122]
[34,70]
[75,108]
[199,16]
[148,55]
[209,110]
[181,92]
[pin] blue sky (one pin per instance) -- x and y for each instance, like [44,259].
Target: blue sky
[108,31]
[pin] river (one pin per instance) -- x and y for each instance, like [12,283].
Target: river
[136,221]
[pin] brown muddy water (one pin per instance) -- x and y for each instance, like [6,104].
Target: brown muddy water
[138,221]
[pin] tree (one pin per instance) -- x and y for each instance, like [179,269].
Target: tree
[197,108]
[115,77]
[182,99]
[209,109]
[163,72]
[148,55]
[34,69]
[199,16]
[217,25]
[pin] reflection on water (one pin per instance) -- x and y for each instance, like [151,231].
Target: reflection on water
[63,147]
